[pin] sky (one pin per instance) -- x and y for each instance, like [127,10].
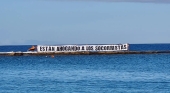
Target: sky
[26,22]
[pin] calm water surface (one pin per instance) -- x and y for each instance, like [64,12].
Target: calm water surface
[149,73]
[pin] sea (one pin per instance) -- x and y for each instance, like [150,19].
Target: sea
[117,73]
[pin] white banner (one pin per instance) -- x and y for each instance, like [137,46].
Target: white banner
[74,48]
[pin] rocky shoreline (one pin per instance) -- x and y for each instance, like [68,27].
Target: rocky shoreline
[79,53]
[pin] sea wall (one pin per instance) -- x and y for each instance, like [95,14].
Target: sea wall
[78,53]
[80,50]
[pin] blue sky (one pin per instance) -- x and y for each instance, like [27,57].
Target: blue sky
[25,22]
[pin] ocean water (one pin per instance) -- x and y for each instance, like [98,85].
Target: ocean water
[130,73]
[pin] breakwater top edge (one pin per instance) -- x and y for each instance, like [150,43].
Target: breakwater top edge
[78,53]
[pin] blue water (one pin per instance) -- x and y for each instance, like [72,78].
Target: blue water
[131,73]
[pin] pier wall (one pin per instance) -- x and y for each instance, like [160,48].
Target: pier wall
[78,53]
[80,50]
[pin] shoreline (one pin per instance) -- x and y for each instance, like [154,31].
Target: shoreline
[79,53]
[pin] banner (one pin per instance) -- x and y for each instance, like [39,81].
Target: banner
[74,48]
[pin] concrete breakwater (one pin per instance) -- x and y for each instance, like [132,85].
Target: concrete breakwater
[78,53]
